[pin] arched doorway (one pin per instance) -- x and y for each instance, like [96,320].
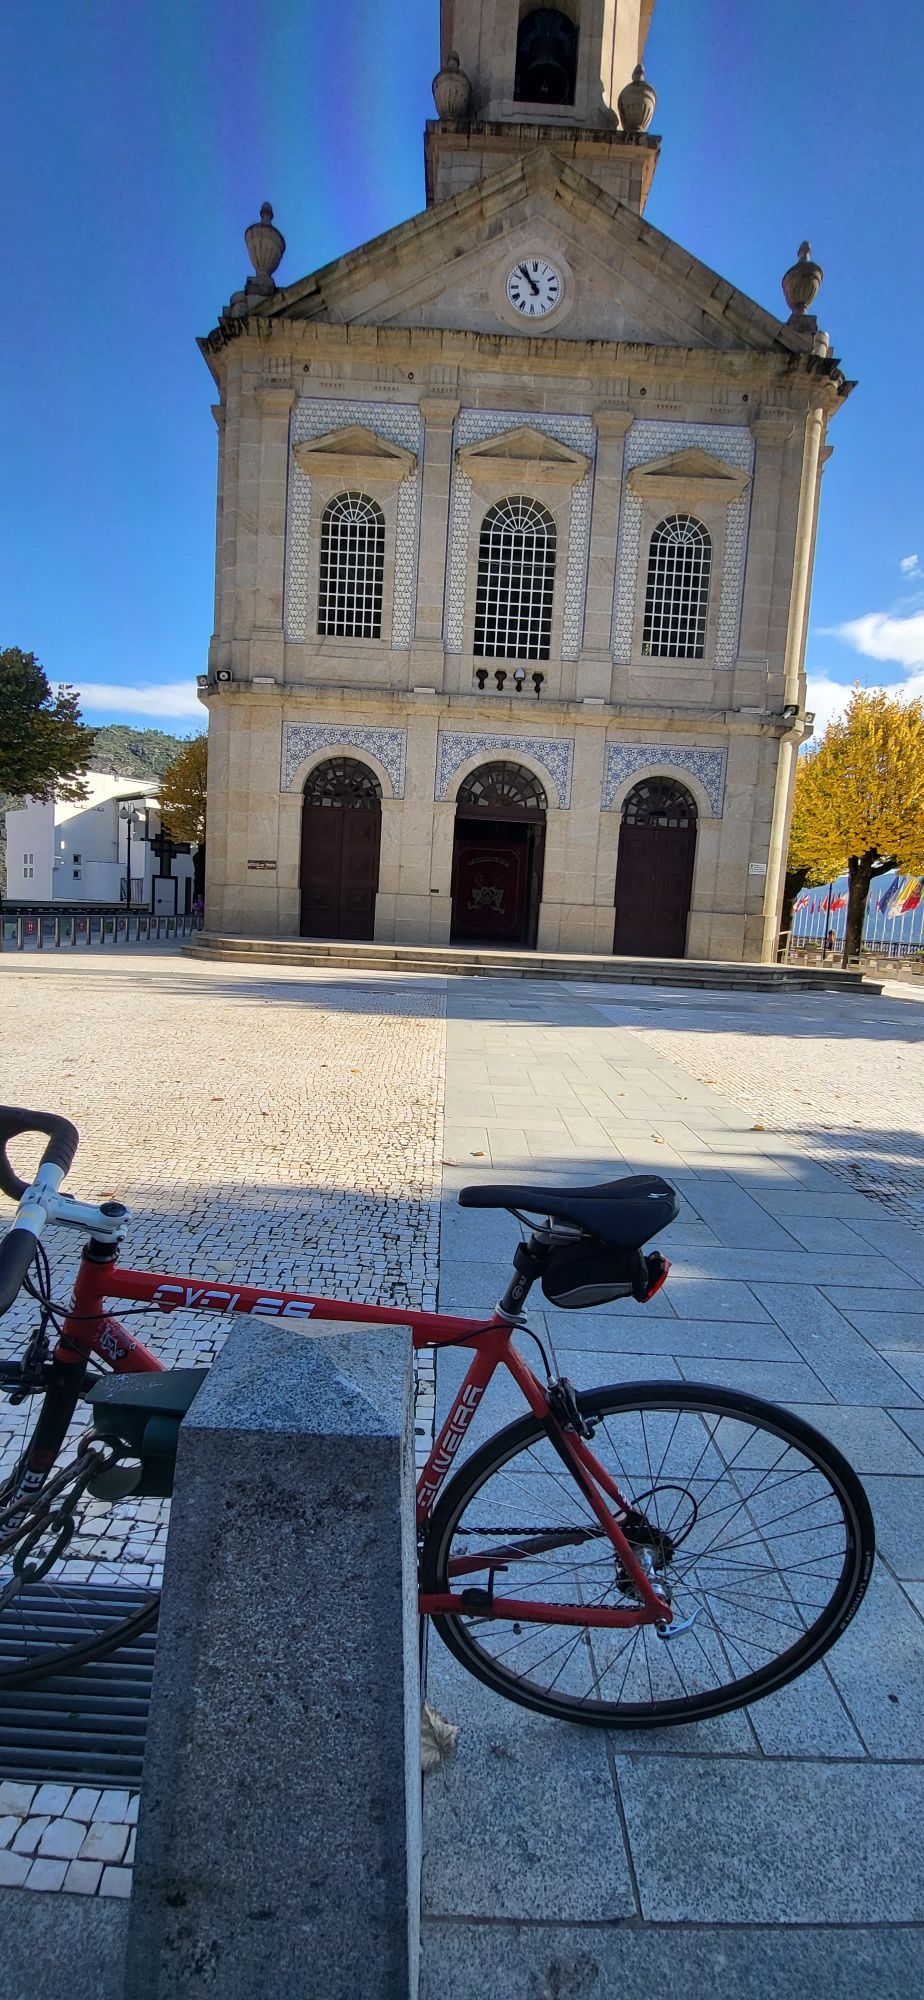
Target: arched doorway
[341,835]
[497,856]
[654,873]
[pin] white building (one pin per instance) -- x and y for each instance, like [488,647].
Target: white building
[88,852]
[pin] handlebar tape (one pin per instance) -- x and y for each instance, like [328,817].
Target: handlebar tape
[63,1141]
[16,1253]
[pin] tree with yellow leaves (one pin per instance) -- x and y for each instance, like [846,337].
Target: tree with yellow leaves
[182,801]
[859,800]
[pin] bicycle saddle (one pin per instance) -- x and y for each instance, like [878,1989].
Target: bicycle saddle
[626,1213]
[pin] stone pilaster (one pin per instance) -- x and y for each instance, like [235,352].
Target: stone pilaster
[274,406]
[595,666]
[757,643]
[438,414]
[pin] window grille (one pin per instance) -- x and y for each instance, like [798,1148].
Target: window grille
[342,781]
[352,568]
[677,592]
[502,784]
[659,802]
[516,574]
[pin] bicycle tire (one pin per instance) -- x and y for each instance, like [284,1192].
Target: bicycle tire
[505,1475]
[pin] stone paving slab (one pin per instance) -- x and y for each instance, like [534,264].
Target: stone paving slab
[724,1840]
[632,1962]
[802,1811]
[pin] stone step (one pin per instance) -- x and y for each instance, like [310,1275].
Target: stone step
[473,964]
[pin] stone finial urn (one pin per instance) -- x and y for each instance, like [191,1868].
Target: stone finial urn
[265,247]
[801,283]
[452,92]
[636,103]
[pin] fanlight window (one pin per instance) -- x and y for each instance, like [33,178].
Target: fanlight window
[502,785]
[341,781]
[659,802]
[516,575]
[546,69]
[352,567]
[677,593]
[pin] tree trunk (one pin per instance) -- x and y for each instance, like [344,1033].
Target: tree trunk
[199,870]
[793,886]
[860,869]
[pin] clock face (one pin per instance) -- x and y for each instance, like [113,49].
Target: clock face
[534,287]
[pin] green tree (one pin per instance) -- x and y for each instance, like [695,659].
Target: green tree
[44,747]
[183,800]
[859,800]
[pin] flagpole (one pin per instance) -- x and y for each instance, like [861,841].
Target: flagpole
[824,946]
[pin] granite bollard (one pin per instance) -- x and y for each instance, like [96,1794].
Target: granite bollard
[279,1835]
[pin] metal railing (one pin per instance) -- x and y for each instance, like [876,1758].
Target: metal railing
[25,930]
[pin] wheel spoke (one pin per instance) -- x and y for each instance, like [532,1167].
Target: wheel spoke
[748,1533]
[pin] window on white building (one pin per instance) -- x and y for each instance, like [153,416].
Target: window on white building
[516,575]
[352,568]
[677,592]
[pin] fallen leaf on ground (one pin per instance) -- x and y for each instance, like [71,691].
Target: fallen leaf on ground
[438,1738]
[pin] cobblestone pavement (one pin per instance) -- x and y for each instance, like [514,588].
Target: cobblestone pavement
[779,1849]
[263,1127]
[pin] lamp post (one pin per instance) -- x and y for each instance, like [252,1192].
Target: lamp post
[125,814]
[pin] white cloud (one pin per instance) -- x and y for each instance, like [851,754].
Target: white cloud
[168,700]
[881,636]
[910,566]
[827,699]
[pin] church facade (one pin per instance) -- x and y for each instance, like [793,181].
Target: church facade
[516,514]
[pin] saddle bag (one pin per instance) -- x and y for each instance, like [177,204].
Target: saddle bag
[594,1274]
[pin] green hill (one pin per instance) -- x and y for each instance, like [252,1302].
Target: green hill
[134,753]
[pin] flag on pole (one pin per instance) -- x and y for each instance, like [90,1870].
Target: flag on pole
[911,894]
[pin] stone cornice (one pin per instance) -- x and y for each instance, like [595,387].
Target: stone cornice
[588,368]
[500,714]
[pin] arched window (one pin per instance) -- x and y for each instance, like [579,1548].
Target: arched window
[343,781]
[504,784]
[352,566]
[677,593]
[659,802]
[546,70]
[516,573]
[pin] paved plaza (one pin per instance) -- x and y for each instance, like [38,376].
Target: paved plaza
[258,1117]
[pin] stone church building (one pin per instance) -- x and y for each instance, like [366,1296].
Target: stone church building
[516,516]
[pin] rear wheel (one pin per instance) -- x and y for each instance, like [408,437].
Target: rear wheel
[751,1522]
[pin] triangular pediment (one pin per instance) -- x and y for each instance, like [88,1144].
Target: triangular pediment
[526,451]
[622,279]
[354,448]
[692,477]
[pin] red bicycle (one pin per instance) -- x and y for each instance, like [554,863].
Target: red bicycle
[639,1554]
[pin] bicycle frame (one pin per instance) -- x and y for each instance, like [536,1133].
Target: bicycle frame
[89,1328]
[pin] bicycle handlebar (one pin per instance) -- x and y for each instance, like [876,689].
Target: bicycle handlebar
[63,1141]
[18,1246]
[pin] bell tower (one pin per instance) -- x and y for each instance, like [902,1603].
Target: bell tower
[515,75]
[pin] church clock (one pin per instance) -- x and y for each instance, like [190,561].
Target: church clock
[534,287]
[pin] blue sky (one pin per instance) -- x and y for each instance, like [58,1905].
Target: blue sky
[142,140]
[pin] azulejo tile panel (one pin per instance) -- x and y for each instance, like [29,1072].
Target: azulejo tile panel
[302,739]
[624,759]
[471,427]
[314,416]
[555,754]
[650,439]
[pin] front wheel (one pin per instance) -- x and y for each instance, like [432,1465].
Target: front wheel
[749,1521]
